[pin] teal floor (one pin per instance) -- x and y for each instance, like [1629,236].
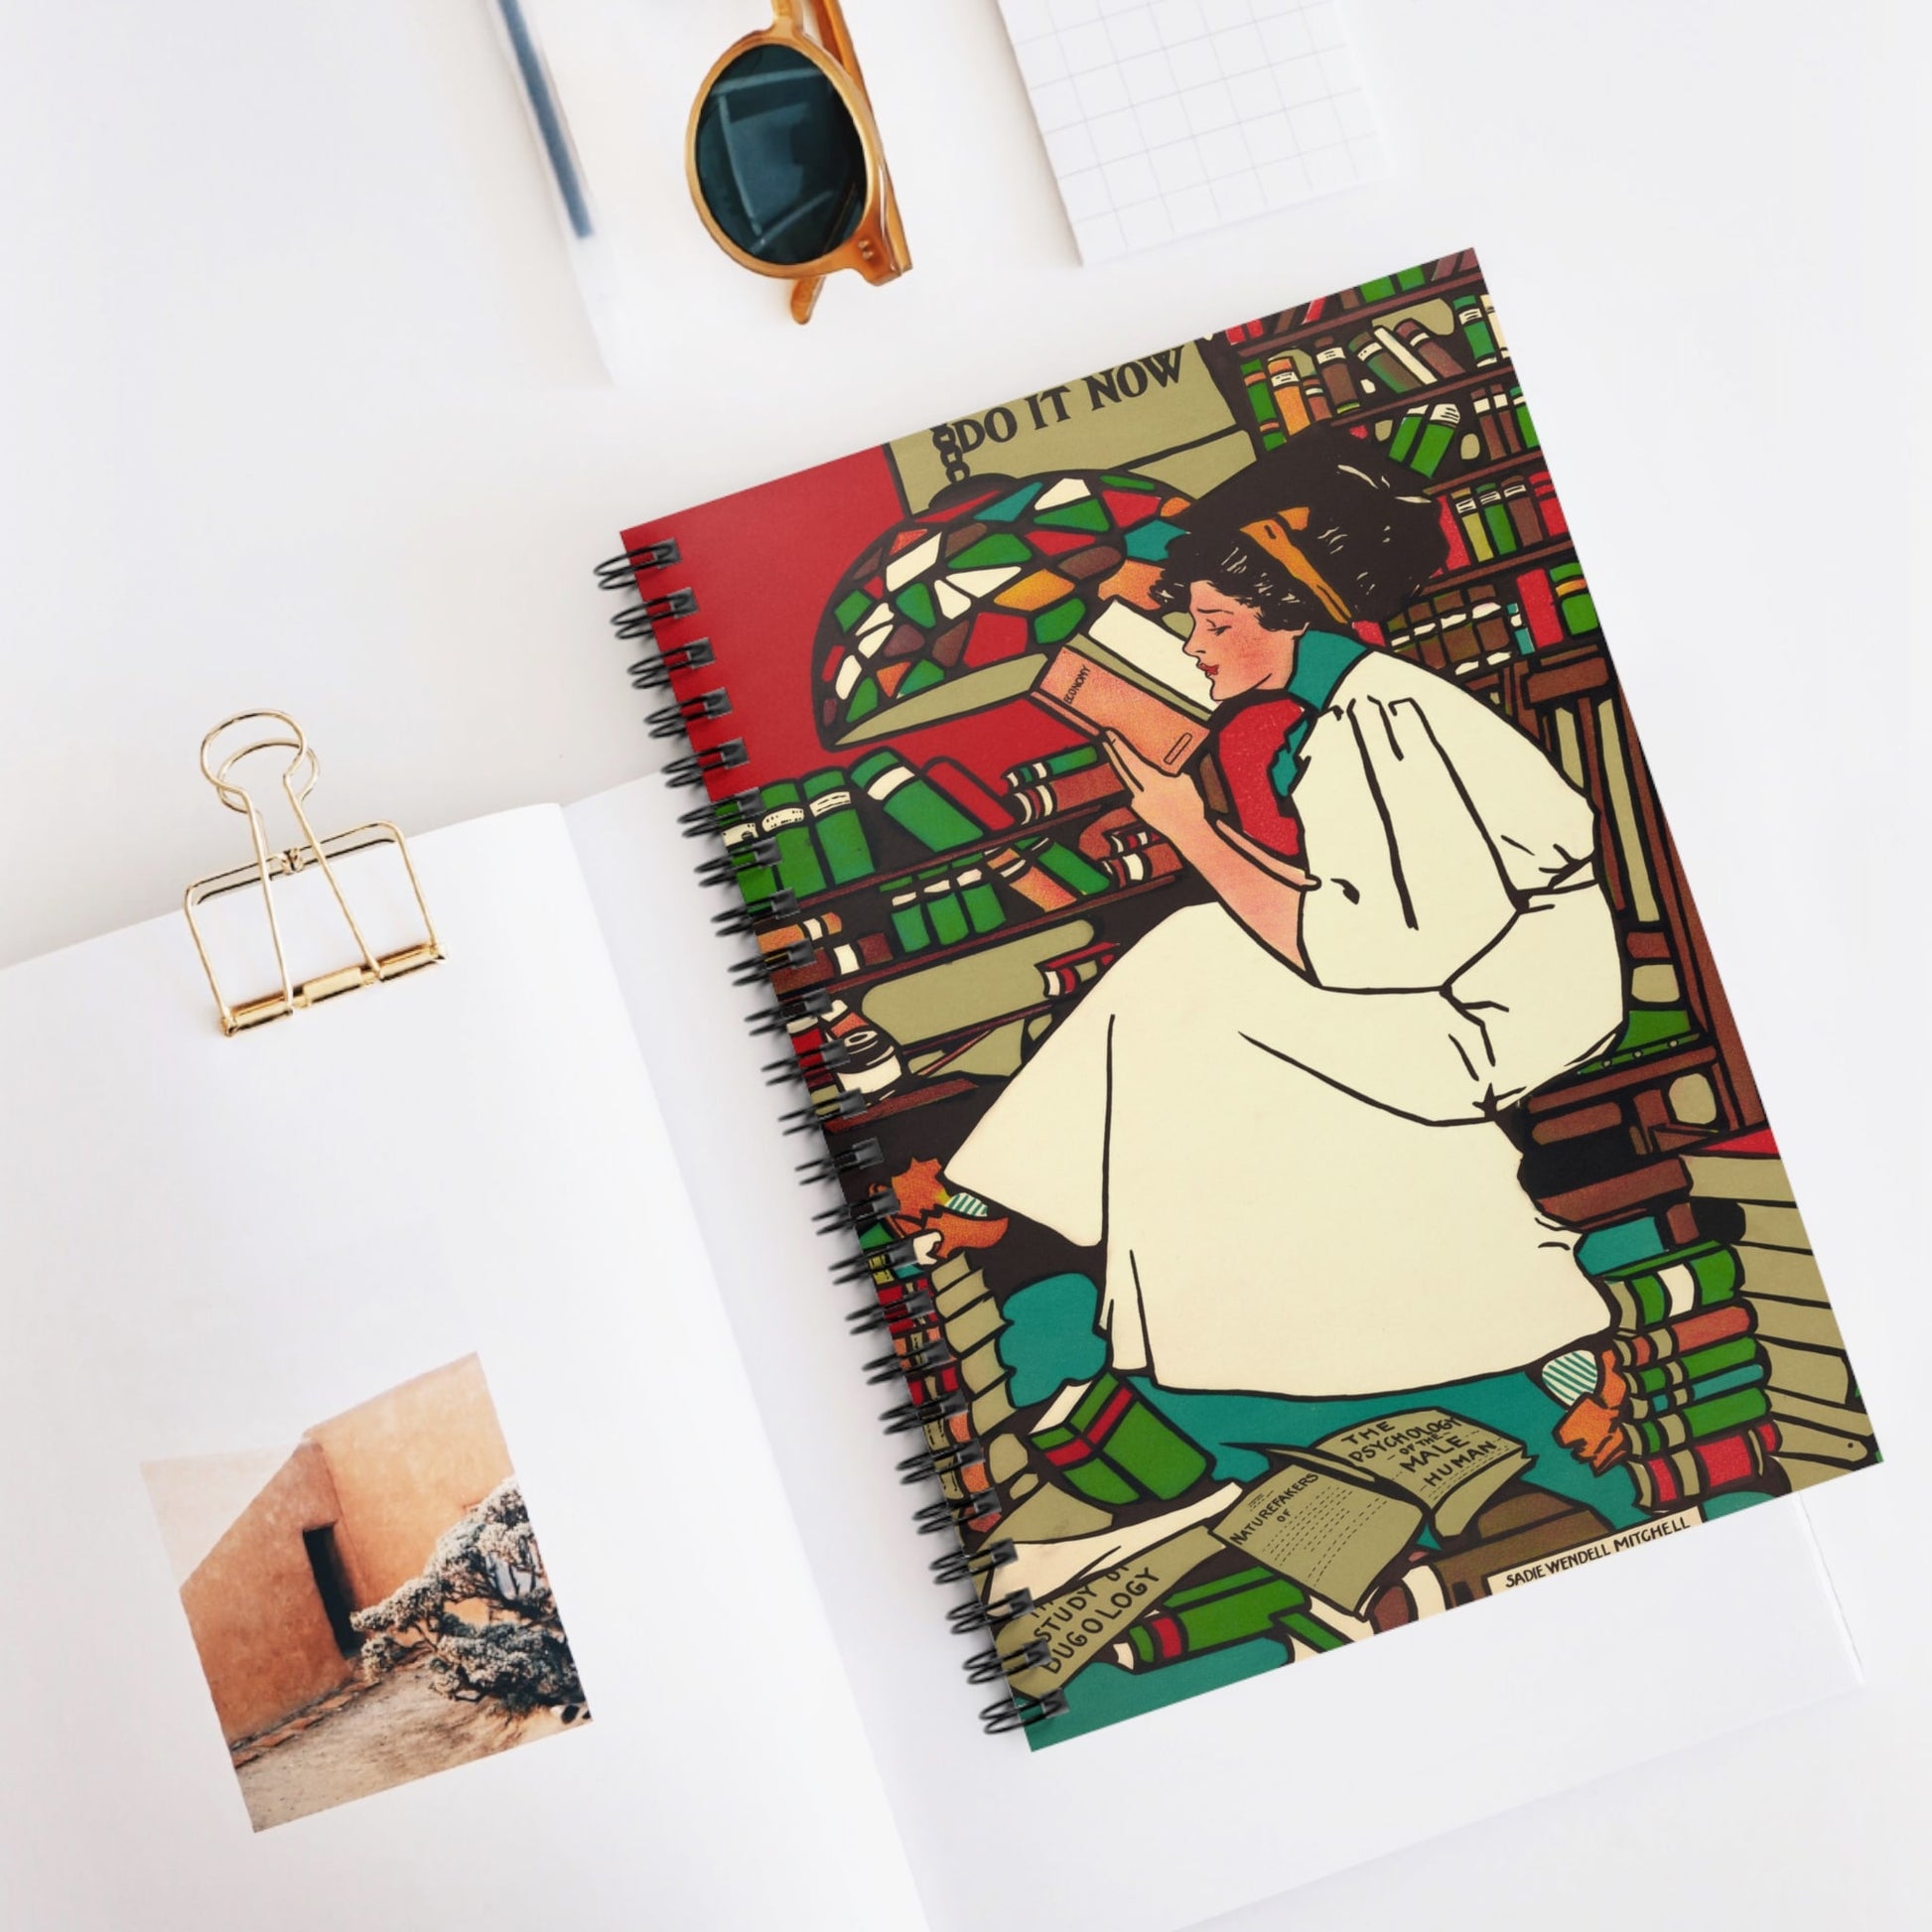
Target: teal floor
[1052,1339]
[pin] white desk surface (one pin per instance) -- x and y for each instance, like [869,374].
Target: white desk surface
[298,407]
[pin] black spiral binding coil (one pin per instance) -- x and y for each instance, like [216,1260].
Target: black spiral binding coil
[900,1305]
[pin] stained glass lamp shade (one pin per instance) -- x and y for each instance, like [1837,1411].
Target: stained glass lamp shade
[961,607]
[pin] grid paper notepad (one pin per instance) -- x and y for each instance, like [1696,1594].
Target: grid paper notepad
[1168,117]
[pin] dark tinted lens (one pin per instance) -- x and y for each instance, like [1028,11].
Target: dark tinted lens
[780,165]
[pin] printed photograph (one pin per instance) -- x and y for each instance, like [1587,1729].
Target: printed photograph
[368,1599]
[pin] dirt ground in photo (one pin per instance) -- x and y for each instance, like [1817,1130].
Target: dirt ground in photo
[386,1735]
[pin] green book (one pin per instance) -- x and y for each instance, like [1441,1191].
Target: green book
[1378,290]
[841,832]
[943,910]
[784,821]
[1231,1610]
[1316,1635]
[1648,1026]
[1066,864]
[984,913]
[1525,428]
[1679,1283]
[1436,440]
[1406,434]
[1475,330]
[1412,278]
[1574,600]
[908,920]
[754,882]
[1696,1424]
[1372,354]
[912,803]
[1496,519]
[1261,395]
[1102,1439]
[1740,1351]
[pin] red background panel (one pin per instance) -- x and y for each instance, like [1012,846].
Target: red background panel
[763,563]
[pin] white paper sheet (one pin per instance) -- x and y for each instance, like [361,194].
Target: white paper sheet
[1191,1811]
[206,1244]
[1166,118]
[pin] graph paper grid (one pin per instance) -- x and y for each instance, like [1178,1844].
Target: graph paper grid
[1166,118]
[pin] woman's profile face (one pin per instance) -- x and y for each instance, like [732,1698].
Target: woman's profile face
[1234,648]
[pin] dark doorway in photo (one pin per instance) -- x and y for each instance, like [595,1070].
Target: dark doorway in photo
[331,1581]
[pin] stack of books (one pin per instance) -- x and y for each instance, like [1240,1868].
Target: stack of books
[1813,1397]
[1725,1370]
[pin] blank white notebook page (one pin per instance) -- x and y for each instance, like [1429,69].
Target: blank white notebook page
[209,1246]
[1169,118]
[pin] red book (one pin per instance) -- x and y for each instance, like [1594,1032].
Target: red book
[1037,888]
[1459,549]
[838,961]
[1538,604]
[984,807]
[1063,976]
[1094,842]
[1680,1338]
[1547,507]
[1505,415]
[1062,794]
[1622,1196]
[1429,350]
[1332,366]
[1158,860]
[1703,1467]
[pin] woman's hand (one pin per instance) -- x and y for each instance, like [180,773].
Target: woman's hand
[1169,802]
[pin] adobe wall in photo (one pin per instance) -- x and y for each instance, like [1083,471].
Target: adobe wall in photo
[266,1643]
[406,1464]
[351,1513]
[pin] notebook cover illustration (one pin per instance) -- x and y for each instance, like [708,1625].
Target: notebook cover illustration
[1230,939]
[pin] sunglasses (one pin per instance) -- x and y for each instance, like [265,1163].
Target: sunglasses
[784,159]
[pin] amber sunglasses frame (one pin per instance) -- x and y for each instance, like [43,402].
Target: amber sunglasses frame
[876,247]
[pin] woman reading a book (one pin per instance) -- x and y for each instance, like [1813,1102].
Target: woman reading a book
[1278,1111]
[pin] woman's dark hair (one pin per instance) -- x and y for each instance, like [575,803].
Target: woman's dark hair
[1371,532]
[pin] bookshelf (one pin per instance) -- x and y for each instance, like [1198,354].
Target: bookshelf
[1303,324]
[846,984]
[1676,1092]
[1553,552]
[1692,1083]
[1065,824]
[1679,1077]
[856,950]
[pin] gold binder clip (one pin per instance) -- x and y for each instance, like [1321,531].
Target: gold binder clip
[370,966]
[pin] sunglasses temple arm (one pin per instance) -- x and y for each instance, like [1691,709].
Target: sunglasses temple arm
[805,296]
[833,32]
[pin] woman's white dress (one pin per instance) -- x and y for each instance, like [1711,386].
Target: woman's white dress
[1299,1181]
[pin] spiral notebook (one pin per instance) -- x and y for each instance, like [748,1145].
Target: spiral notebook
[1218,924]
